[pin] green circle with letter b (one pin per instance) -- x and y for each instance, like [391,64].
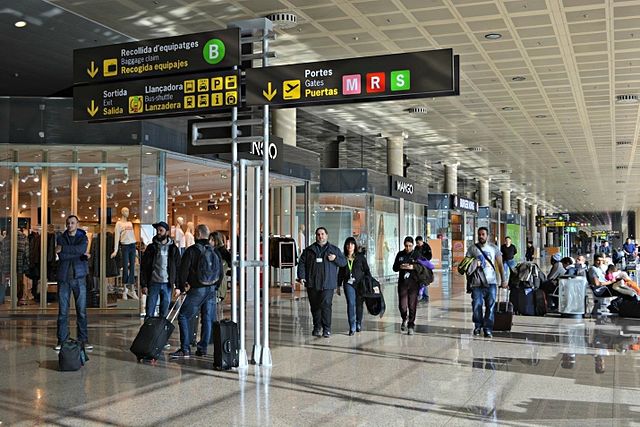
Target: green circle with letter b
[213,51]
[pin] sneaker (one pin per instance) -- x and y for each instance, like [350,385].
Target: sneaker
[57,347]
[411,331]
[476,332]
[87,346]
[326,334]
[358,328]
[351,333]
[180,354]
[167,346]
[316,333]
[488,334]
[201,353]
[403,327]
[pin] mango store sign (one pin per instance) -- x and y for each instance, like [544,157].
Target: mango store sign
[402,187]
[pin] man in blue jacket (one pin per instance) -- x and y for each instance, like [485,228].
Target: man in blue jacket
[71,248]
[318,272]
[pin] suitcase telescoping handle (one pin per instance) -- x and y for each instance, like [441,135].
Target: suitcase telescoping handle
[506,292]
[173,313]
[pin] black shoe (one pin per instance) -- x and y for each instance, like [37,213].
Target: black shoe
[358,328]
[403,327]
[476,332]
[316,333]
[200,353]
[326,334]
[488,334]
[180,354]
[351,333]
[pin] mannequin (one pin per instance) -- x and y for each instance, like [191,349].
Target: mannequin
[125,237]
[189,239]
[179,237]
[302,239]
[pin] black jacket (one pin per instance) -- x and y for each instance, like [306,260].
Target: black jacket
[189,264]
[425,251]
[508,252]
[359,271]
[529,254]
[324,274]
[149,258]
[405,258]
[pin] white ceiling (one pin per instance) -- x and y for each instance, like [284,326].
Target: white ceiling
[554,133]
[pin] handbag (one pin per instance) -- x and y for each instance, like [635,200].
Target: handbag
[477,278]
[463,266]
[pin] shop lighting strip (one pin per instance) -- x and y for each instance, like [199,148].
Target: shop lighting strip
[40,165]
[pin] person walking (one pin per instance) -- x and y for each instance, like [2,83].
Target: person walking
[350,277]
[530,252]
[508,252]
[424,250]
[408,286]
[71,249]
[488,258]
[318,272]
[200,275]
[159,270]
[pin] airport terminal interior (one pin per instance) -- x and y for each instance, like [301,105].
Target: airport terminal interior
[503,133]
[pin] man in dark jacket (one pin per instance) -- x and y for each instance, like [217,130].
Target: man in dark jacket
[408,286]
[508,252]
[159,270]
[318,272]
[200,297]
[71,248]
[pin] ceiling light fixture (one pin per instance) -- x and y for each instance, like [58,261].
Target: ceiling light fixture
[507,108]
[417,110]
[518,78]
[283,20]
[541,116]
[20,24]
[493,36]
[627,99]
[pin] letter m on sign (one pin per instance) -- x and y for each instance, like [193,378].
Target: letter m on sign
[351,84]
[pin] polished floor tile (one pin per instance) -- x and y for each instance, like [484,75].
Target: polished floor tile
[546,371]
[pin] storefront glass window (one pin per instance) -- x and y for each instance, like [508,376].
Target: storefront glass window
[384,226]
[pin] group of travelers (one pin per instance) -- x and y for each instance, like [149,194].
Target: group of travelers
[198,273]
[323,268]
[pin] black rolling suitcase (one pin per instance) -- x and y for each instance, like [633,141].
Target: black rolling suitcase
[194,325]
[225,345]
[154,334]
[629,308]
[503,317]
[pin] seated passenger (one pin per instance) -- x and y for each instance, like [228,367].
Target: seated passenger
[550,285]
[569,266]
[596,277]
[626,286]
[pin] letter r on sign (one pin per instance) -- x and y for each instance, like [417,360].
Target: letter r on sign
[375,82]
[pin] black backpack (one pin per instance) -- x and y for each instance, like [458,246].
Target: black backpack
[72,356]
[209,268]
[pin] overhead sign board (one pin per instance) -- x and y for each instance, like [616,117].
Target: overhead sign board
[158,57]
[376,78]
[402,187]
[464,204]
[161,96]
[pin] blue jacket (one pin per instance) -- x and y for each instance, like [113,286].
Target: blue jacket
[324,274]
[72,255]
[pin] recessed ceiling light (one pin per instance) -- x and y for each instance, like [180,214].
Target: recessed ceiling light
[518,78]
[536,143]
[541,116]
[623,142]
[283,20]
[507,108]
[148,153]
[493,36]
[20,24]
[627,99]
[417,110]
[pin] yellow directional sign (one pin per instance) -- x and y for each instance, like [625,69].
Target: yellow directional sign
[93,70]
[291,89]
[93,109]
[110,67]
[269,94]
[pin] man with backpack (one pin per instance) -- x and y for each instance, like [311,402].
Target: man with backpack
[200,275]
[159,270]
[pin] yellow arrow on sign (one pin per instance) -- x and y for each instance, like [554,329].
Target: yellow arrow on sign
[93,110]
[270,94]
[93,70]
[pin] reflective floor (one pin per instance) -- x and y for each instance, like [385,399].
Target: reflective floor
[547,371]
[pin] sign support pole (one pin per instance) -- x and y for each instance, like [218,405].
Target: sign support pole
[242,356]
[234,213]
[257,347]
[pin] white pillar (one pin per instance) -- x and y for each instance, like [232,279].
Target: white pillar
[506,201]
[543,231]
[522,210]
[484,199]
[451,178]
[533,211]
[283,124]
[395,150]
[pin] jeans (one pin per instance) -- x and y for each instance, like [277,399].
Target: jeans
[79,289]
[508,265]
[321,302]
[354,307]
[488,297]
[408,302]
[423,293]
[197,298]
[128,264]
[156,290]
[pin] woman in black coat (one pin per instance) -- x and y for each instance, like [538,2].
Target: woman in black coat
[350,276]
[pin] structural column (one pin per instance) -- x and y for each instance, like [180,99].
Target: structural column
[283,125]
[451,178]
[522,210]
[637,230]
[395,150]
[506,201]
[533,211]
[543,231]
[483,187]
